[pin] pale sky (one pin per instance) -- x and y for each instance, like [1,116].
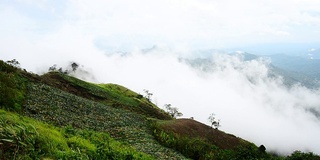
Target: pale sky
[126,25]
[250,104]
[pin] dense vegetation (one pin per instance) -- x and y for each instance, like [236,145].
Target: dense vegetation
[109,94]
[12,87]
[25,138]
[199,141]
[56,116]
[82,106]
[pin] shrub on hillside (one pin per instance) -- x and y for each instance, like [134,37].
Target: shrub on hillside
[194,148]
[12,87]
[298,155]
[172,111]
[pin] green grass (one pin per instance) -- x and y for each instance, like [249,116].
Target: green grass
[109,94]
[204,147]
[12,87]
[25,138]
[63,109]
[56,116]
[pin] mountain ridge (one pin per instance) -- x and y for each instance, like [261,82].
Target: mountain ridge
[61,117]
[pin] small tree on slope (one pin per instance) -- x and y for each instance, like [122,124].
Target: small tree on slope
[173,111]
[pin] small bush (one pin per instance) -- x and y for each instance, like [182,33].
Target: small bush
[298,155]
[12,87]
[16,139]
[78,143]
[194,148]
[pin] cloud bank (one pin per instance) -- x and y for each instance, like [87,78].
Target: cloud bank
[124,25]
[249,103]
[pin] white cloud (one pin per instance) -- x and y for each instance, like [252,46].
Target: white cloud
[249,104]
[186,23]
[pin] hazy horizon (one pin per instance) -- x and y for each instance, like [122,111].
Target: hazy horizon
[250,103]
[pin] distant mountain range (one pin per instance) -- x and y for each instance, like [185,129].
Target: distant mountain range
[303,69]
[308,66]
[293,69]
[296,61]
[57,116]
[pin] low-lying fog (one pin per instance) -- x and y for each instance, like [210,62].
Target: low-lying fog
[250,103]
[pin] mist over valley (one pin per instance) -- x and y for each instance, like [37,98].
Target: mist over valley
[253,98]
[254,65]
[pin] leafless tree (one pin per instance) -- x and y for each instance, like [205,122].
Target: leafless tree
[173,111]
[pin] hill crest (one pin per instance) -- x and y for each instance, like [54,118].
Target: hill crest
[77,110]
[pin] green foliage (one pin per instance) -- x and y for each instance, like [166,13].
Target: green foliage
[16,138]
[24,138]
[249,151]
[200,148]
[173,111]
[78,142]
[60,108]
[121,94]
[7,68]
[129,100]
[194,148]
[298,155]
[12,87]
[148,95]
[52,141]
[84,115]
[14,63]
[109,94]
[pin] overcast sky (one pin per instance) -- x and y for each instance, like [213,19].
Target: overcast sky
[250,104]
[125,25]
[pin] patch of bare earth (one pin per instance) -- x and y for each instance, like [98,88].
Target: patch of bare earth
[195,129]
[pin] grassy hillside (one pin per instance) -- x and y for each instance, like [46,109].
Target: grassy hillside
[56,116]
[109,94]
[25,138]
[199,141]
[60,108]
[84,107]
